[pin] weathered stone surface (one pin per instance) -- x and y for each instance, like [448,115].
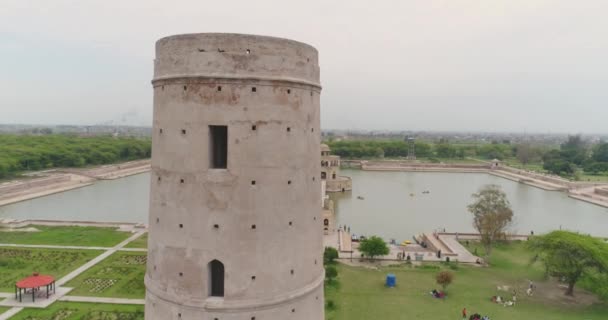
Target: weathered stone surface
[260,216]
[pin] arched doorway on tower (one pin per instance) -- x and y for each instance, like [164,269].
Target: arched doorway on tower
[216,278]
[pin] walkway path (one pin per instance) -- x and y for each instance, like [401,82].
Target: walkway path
[103,300]
[61,292]
[454,246]
[449,245]
[10,312]
[345,241]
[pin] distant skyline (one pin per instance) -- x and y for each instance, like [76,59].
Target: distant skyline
[478,66]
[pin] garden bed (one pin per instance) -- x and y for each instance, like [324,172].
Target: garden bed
[119,276]
[18,263]
[83,311]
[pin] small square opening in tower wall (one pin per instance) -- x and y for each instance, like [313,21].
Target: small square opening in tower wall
[218,147]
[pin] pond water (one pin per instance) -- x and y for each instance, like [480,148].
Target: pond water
[120,200]
[394,206]
[388,209]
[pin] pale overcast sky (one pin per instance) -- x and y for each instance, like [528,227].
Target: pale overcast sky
[484,65]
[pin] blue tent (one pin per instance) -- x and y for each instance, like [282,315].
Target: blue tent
[391,280]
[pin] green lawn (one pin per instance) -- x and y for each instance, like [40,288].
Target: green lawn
[82,311]
[593,178]
[68,236]
[361,293]
[17,263]
[119,276]
[3,309]
[141,242]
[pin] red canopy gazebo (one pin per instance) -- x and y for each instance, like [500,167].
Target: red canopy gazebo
[34,282]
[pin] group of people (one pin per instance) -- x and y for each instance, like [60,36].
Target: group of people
[531,288]
[402,255]
[475,316]
[438,294]
[506,303]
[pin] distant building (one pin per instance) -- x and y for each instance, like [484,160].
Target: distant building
[330,172]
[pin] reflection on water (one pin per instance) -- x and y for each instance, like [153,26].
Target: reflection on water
[395,207]
[388,209]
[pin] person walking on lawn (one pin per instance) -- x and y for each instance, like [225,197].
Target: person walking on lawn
[464,313]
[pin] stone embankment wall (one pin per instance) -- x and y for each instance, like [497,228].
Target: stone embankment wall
[524,176]
[602,191]
[112,171]
[389,165]
[341,184]
[539,176]
[435,244]
[7,189]
[14,223]
[356,164]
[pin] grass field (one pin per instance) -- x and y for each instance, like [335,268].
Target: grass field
[82,311]
[3,309]
[119,276]
[66,236]
[141,242]
[17,263]
[593,178]
[361,294]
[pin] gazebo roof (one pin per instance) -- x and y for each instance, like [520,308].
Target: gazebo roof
[35,281]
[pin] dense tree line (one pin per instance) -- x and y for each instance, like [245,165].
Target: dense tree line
[576,153]
[442,149]
[573,154]
[20,153]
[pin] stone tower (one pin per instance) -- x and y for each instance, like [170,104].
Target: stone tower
[235,225]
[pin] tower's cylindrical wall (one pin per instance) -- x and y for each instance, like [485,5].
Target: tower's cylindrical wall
[260,216]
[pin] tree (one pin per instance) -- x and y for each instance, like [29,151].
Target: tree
[444,279]
[331,273]
[445,150]
[574,149]
[492,214]
[524,153]
[570,255]
[329,255]
[373,246]
[600,154]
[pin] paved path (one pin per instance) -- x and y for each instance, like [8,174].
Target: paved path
[11,312]
[462,254]
[345,244]
[103,300]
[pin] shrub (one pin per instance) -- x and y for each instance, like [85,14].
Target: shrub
[329,255]
[444,279]
[373,246]
[330,273]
